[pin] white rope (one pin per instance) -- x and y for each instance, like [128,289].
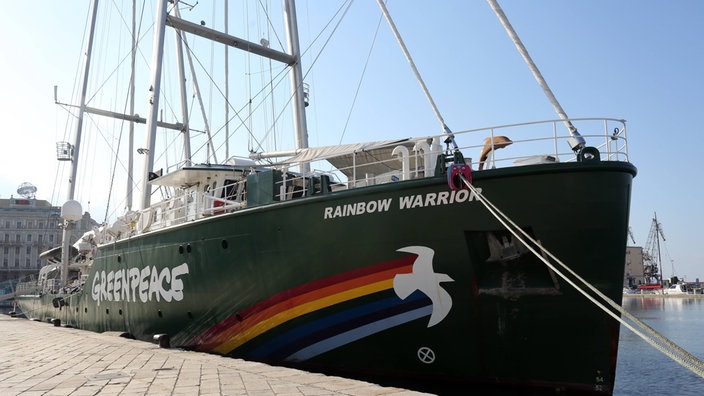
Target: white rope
[669,348]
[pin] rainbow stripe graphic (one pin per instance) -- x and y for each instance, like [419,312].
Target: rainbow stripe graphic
[330,328]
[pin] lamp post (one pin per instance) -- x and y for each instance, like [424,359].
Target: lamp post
[71,212]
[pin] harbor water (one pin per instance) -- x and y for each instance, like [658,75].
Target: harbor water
[644,370]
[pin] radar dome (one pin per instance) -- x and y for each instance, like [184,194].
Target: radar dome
[71,211]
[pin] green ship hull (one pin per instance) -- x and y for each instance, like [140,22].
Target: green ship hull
[409,284]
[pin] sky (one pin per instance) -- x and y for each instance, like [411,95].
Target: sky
[642,61]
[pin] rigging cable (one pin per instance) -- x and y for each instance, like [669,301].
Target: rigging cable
[196,88]
[579,140]
[657,340]
[310,68]
[451,137]
[280,77]
[237,112]
[361,78]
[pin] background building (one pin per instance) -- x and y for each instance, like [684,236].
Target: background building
[28,227]
[634,275]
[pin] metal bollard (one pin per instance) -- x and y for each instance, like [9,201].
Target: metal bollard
[163,340]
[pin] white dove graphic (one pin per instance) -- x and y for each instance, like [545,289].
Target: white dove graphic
[428,282]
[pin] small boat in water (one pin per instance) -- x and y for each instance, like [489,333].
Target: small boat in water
[678,288]
[388,266]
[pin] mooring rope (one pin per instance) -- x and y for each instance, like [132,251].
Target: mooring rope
[666,346]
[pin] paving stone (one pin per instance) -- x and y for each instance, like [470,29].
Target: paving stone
[43,360]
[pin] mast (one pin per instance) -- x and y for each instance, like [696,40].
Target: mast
[206,124]
[82,109]
[292,59]
[180,38]
[296,78]
[182,85]
[154,90]
[227,86]
[130,150]
[66,234]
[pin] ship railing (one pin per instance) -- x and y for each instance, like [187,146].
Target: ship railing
[192,204]
[530,143]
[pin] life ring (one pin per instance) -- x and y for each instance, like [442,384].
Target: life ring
[216,204]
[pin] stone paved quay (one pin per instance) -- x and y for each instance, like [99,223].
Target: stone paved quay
[41,359]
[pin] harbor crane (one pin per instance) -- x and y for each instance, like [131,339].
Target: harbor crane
[652,260]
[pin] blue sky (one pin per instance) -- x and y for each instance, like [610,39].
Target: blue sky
[642,61]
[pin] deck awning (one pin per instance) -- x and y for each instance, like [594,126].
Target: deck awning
[371,157]
[54,255]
